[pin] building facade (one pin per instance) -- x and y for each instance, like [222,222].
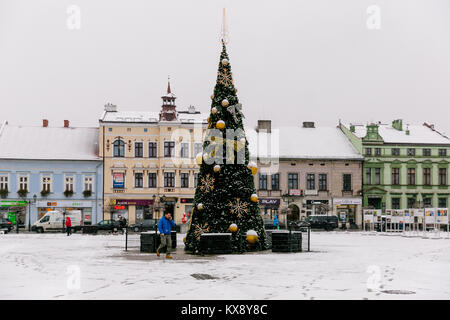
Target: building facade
[404,166]
[310,170]
[149,165]
[49,168]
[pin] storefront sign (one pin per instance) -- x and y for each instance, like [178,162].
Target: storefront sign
[64,204]
[7,203]
[311,192]
[118,180]
[295,192]
[134,202]
[344,201]
[187,200]
[269,202]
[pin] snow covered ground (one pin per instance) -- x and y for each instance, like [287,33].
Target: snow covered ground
[341,266]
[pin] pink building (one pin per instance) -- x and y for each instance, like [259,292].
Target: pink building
[308,170]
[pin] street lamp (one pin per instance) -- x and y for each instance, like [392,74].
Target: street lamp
[29,211]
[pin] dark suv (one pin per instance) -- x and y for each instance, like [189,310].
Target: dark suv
[5,224]
[109,225]
[323,222]
[145,225]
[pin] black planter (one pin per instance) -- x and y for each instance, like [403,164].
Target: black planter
[215,243]
[283,241]
[150,241]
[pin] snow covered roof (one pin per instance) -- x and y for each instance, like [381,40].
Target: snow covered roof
[48,143]
[417,134]
[150,116]
[315,143]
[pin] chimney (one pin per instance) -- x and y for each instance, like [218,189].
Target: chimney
[66,123]
[109,107]
[45,123]
[265,125]
[308,124]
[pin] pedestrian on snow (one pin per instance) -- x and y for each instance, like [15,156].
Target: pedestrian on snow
[68,226]
[122,223]
[165,226]
[276,223]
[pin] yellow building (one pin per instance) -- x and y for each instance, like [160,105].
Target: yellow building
[149,160]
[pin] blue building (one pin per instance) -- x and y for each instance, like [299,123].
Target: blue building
[47,168]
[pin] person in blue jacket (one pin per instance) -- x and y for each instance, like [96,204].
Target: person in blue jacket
[165,225]
[275,222]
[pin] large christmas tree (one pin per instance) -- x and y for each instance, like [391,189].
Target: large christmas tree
[225,195]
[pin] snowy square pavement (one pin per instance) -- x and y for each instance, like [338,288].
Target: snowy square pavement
[342,265]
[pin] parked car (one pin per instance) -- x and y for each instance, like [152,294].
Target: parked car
[145,225]
[107,225]
[323,222]
[54,221]
[5,224]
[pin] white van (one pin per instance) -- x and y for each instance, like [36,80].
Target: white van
[54,221]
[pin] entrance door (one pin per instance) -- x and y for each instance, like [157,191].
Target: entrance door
[374,202]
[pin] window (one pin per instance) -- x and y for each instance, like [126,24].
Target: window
[322,182]
[46,183]
[378,151]
[427,152]
[292,181]
[377,175]
[368,175]
[310,181]
[198,148]
[184,150]
[88,182]
[263,181]
[68,183]
[23,182]
[4,183]
[395,151]
[138,149]
[442,202]
[195,179]
[411,176]
[119,148]
[347,182]
[169,148]
[184,180]
[411,152]
[427,176]
[442,152]
[395,203]
[152,180]
[396,176]
[427,202]
[138,180]
[368,151]
[442,176]
[169,179]
[275,181]
[411,202]
[118,180]
[152,150]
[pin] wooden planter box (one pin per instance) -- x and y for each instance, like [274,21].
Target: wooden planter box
[215,243]
[283,241]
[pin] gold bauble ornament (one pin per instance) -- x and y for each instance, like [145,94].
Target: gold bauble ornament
[254,170]
[214,110]
[212,97]
[233,228]
[254,197]
[208,119]
[220,124]
[199,159]
[252,236]
[200,206]
[216,168]
[184,239]
[224,62]
[225,103]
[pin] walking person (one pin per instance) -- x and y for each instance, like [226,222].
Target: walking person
[276,224]
[68,226]
[165,225]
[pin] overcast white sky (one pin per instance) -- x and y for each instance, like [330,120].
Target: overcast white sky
[292,61]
